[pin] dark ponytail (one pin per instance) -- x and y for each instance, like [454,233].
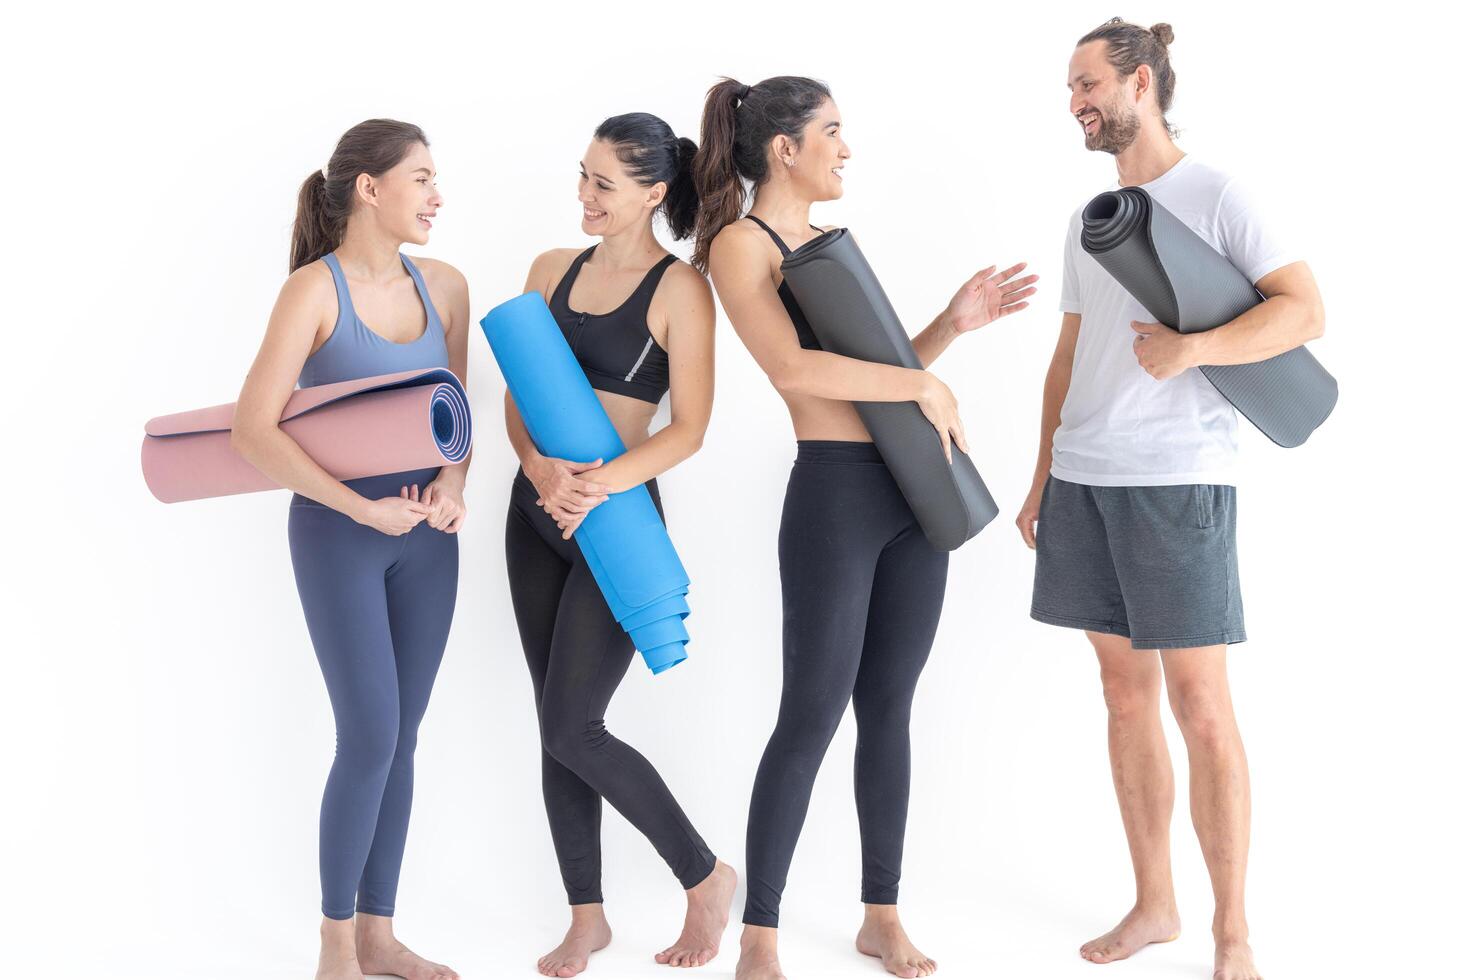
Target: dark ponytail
[648,148]
[739,123]
[325,202]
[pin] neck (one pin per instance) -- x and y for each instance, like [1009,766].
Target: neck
[1148,157]
[368,253]
[632,248]
[781,207]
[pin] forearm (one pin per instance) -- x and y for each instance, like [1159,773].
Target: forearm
[659,453]
[825,375]
[934,339]
[1279,324]
[1054,393]
[520,439]
[282,459]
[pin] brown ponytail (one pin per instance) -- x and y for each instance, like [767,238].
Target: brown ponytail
[737,128]
[325,201]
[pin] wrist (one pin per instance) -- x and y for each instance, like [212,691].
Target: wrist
[923,385]
[1196,347]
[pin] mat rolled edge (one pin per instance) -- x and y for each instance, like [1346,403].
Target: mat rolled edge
[187,455]
[851,315]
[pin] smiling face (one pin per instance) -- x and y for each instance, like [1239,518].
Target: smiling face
[1104,105]
[405,197]
[815,167]
[612,201]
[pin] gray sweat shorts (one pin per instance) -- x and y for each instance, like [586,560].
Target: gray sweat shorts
[1155,564]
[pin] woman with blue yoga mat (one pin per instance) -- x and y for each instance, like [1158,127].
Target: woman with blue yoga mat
[376,559]
[641,324]
[861,586]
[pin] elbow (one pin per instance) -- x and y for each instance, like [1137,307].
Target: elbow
[785,377]
[1316,324]
[245,441]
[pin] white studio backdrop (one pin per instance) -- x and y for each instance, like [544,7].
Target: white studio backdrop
[165,727]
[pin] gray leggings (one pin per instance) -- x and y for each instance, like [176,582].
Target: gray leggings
[378,608]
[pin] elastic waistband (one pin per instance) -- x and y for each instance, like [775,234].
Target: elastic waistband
[386,485]
[836,451]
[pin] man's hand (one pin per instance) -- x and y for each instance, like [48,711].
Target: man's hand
[1162,351]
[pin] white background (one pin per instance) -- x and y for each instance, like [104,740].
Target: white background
[165,727]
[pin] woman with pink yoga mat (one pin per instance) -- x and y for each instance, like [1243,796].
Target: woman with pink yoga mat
[376,559]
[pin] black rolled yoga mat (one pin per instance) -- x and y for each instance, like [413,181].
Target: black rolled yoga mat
[848,311]
[1189,286]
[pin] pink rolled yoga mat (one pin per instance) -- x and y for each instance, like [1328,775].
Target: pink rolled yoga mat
[366,427]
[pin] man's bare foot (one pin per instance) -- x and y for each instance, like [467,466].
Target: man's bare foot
[338,959]
[882,936]
[758,955]
[1139,928]
[1235,961]
[704,923]
[588,933]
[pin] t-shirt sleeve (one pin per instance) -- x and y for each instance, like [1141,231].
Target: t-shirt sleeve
[1254,244]
[1071,300]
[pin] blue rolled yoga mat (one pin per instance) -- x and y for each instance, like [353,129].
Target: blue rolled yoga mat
[623,539]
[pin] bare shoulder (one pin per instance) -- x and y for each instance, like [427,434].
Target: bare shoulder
[310,287]
[738,244]
[553,262]
[683,280]
[437,272]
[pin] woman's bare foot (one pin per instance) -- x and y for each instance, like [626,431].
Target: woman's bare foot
[338,959]
[380,952]
[588,933]
[704,923]
[1140,927]
[1235,961]
[882,936]
[758,955]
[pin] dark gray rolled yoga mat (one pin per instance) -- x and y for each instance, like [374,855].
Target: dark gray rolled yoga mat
[1189,286]
[848,311]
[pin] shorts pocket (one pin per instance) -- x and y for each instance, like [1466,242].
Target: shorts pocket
[1204,503]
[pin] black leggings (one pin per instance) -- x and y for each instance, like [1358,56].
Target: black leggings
[578,654]
[861,591]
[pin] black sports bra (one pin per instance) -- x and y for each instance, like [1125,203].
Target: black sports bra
[804,335]
[616,351]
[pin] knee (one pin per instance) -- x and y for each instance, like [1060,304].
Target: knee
[567,739]
[883,711]
[1129,694]
[1204,713]
[369,745]
[806,732]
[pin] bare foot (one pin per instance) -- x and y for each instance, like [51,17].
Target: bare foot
[337,965]
[1138,929]
[1235,961]
[588,933]
[339,955]
[758,955]
[882,936]
[391,957]
[704,923]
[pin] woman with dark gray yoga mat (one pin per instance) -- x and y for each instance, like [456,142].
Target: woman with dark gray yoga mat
[376,559]
[861,586]
[641,325]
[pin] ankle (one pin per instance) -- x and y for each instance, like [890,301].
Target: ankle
[880,915]
[758,938]
[1230,932]
[589,914]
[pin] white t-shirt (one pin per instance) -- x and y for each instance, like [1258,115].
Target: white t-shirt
[1121,427]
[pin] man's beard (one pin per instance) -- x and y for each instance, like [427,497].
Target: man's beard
[1115,132]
